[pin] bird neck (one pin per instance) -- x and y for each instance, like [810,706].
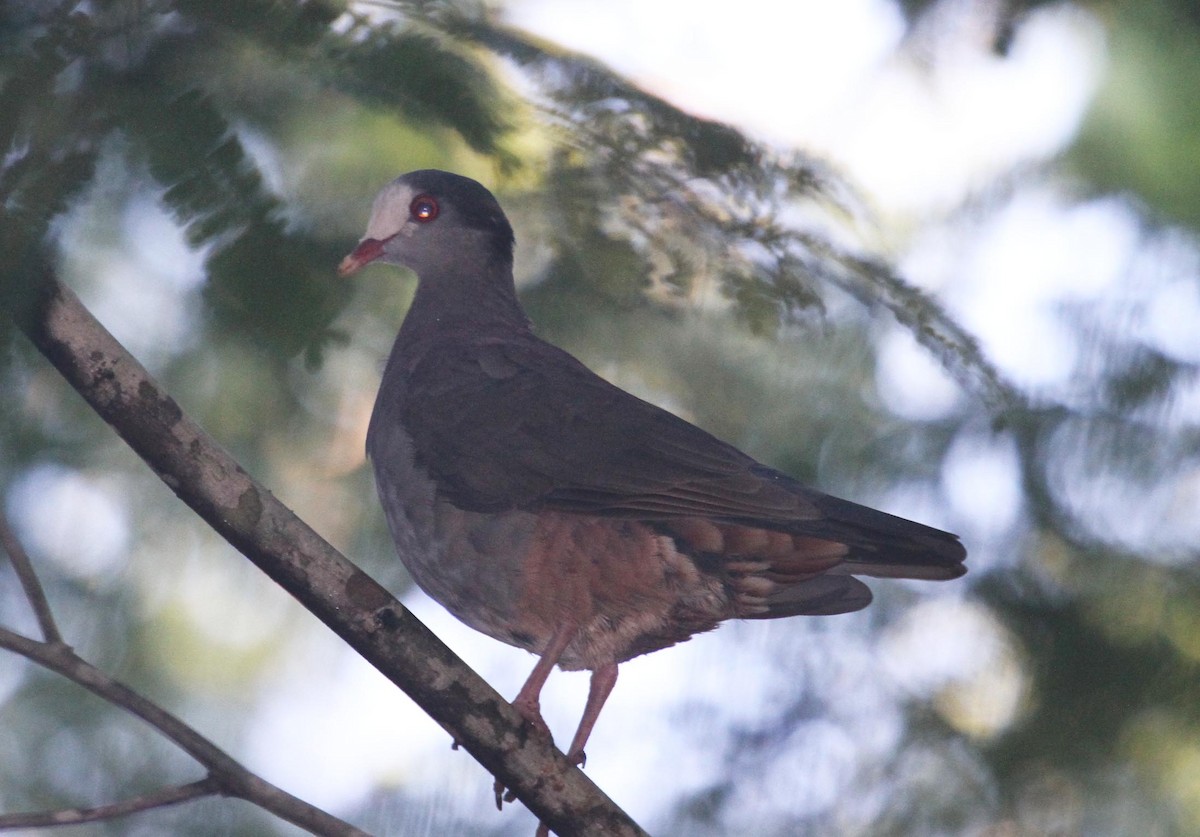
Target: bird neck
[474,299]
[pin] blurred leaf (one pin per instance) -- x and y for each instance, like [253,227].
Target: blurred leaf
[291,27]
[1142,375]
[48,152]
[711,147]
[422,75]
[1143,133]
[293,294]
[265,282]
[387,65]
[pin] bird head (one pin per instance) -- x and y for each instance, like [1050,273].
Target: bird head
[427,219]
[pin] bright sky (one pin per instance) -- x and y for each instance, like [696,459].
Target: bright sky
[821,75]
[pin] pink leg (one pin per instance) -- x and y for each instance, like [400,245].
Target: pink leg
[528,700]
[603,680]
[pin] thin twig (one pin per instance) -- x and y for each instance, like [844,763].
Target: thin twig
[29,581]
[73,816]
[229,775]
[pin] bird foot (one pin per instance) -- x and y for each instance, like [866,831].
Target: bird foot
[531,711]
[503,794]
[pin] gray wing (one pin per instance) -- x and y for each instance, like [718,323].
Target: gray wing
[514,422]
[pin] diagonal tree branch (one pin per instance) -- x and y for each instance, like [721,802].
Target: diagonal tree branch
[346,599]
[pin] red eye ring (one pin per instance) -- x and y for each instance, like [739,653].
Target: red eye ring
[424,208]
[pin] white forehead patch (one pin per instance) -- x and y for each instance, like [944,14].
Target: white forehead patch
[390,211]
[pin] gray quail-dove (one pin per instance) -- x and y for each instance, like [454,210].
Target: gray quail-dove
[553,511]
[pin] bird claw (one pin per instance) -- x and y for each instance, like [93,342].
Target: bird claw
[532,713]
[503,794]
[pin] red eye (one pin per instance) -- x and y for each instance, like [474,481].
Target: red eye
[424,208]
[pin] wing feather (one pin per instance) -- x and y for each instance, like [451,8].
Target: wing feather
[514,422]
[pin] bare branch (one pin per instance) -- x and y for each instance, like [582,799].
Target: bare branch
[231,778]
[73,816]
[226,776]
[29,581]
[341,595]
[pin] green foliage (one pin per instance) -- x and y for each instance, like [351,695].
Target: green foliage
[50,156]
[264,280]
[1144,133]
[423,76]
